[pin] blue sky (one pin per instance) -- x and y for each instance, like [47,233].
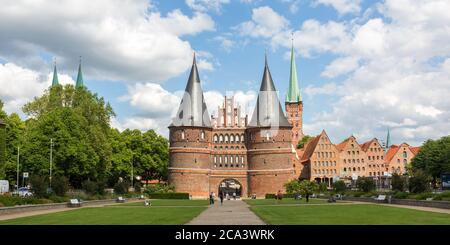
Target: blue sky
[363,65]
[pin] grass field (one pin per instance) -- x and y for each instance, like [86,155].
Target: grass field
[285,201]
[347,214]
[128,214]
[168,202]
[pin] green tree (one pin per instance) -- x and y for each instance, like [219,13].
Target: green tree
[433,158]
[307,188]
[39,185]
[420,182]
[339,187]
[365,184]
[398,182]
[60,185]
[292,187]
[323,187]
[302,142]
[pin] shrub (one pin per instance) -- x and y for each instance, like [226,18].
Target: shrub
[39,185]
[398,182]
[60,185]
[400,195]
[365,184]
[121,187]
[160,188]
[423,196]
[90,187]
[58,199]
[170,195]
[419,182]
[339,186]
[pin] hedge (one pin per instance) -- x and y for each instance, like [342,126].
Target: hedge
[170,195]
[272,196]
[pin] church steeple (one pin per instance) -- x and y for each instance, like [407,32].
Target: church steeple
[80,82]
[55,81]
[293,95]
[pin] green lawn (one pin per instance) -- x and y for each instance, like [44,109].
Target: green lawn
[284,201]
[118,215]
[348,214]
[169,202]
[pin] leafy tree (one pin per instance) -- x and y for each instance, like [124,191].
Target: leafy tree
[420,182]
[121,187]
[323,187]
[365,184]
[433,158]
[292,187]
[39,185]
[90,187]
[60,185]
[307,188]
[398,182]
[339,186]
[302,142]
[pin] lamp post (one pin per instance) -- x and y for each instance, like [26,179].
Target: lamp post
[17,180]
[51,162]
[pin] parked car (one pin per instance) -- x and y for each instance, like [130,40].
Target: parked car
[24,192]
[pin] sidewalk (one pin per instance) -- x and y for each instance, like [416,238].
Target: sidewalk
[232,212]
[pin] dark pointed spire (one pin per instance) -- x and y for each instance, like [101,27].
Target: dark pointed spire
[193,110]
[80,82]
[268,111]
[55,81]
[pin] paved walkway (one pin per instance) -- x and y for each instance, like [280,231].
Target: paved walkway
[436,210]
[232,212]
[48,211]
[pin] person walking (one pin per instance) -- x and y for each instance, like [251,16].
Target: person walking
[234,195]
[211,199]
[221,198]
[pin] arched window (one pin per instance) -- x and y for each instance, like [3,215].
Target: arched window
[231,138]
[242,159]
[242,138]
[237,159]
[267,135]
[215,138]
[221,138]
[345,169]
[231,159]
[203,135]
[182,134]
[226,138]
[405,155]
[226,159]
[354,169]
[215,159]
[220,160]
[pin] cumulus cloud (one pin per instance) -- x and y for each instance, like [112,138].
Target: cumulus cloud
[19,85]
[207,5]
[119,40]
[395,68]
[265,23]
[342,6]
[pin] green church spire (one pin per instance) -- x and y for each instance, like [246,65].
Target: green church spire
[55,81]
[388,139]
[293,94]
[80,82]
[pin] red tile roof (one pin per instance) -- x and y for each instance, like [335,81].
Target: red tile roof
[341,146]
[415,149]
[391,153]
[309,148]
[366,145]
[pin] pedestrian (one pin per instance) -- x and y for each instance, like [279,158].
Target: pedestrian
[221,198]
[234,195]
[211,199]
[228,196]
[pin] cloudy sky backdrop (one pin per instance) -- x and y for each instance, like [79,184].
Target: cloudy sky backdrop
[364,66]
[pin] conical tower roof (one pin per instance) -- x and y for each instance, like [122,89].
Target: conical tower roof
[55,80]
[268,111]
[192,110]
[293,95]
[80,82]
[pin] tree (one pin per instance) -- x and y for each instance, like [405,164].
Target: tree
[307,188]
[433,158]
[292,187]
[322,187]
[60,185]
[302,142]
[398,182]
[39,185]
[365,184]
[420,182]
[339,187]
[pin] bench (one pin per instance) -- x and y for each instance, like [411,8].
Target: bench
[74,203]
[380,198]
[120,199]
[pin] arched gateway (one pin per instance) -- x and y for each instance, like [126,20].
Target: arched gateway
[230,186]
